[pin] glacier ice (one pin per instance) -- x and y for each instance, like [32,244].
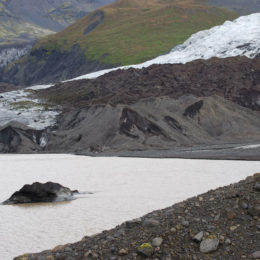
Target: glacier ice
[21,107]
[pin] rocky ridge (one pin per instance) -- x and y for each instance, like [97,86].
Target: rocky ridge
[155,111]
[220,224]
[158,108]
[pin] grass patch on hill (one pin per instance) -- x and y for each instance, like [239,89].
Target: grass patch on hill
[138,30]
[26,104]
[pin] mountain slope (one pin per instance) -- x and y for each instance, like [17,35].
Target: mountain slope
[155,111]
[240,6]
[26,20]
[125,32]
[238,38]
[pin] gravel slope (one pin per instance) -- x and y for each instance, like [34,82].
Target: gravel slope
[220,224]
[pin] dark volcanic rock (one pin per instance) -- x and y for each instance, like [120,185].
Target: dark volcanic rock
[38,192]
[18,138]
[193,109]
[236,79]
[56,66]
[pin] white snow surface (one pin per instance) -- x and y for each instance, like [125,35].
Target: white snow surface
[35,116]
[240,37]
[8,55]
[123,189]
[250,146]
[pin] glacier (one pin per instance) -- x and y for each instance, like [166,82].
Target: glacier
[240,37]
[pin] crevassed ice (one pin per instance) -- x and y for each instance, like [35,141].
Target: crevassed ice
[35,116]
[240,37]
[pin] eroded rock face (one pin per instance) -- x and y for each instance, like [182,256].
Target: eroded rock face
[5,87]
[39,192]
[18,138]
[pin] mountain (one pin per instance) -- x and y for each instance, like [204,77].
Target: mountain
[242,7]
[125,32]
[23,21]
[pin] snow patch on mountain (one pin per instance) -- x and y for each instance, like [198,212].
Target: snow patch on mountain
[9,55]
[240,37]
[21,107]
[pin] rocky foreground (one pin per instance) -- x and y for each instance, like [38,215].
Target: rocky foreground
[219,224]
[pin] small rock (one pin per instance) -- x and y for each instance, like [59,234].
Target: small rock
[209,245]
[149,222]
[256,255]
[57,248]
[178,227]
[123,251]
[210,227]
[233,228]
[257,186]
[256,177]
[185,223]
[145,250]
[119,233]
[110,238]
[112,249]
[230,214]
[244,205]
[133,223]
[227,242]
[157,241]
[216,218]
[221,238]
[198,237]
[254,211]
[88,253]
[173,230]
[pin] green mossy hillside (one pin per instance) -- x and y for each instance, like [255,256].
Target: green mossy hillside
[137,30]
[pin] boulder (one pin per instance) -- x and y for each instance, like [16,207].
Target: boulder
[209,245]
[145,250]
[39,192]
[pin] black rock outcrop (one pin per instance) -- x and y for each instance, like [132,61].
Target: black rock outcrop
[39,192]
